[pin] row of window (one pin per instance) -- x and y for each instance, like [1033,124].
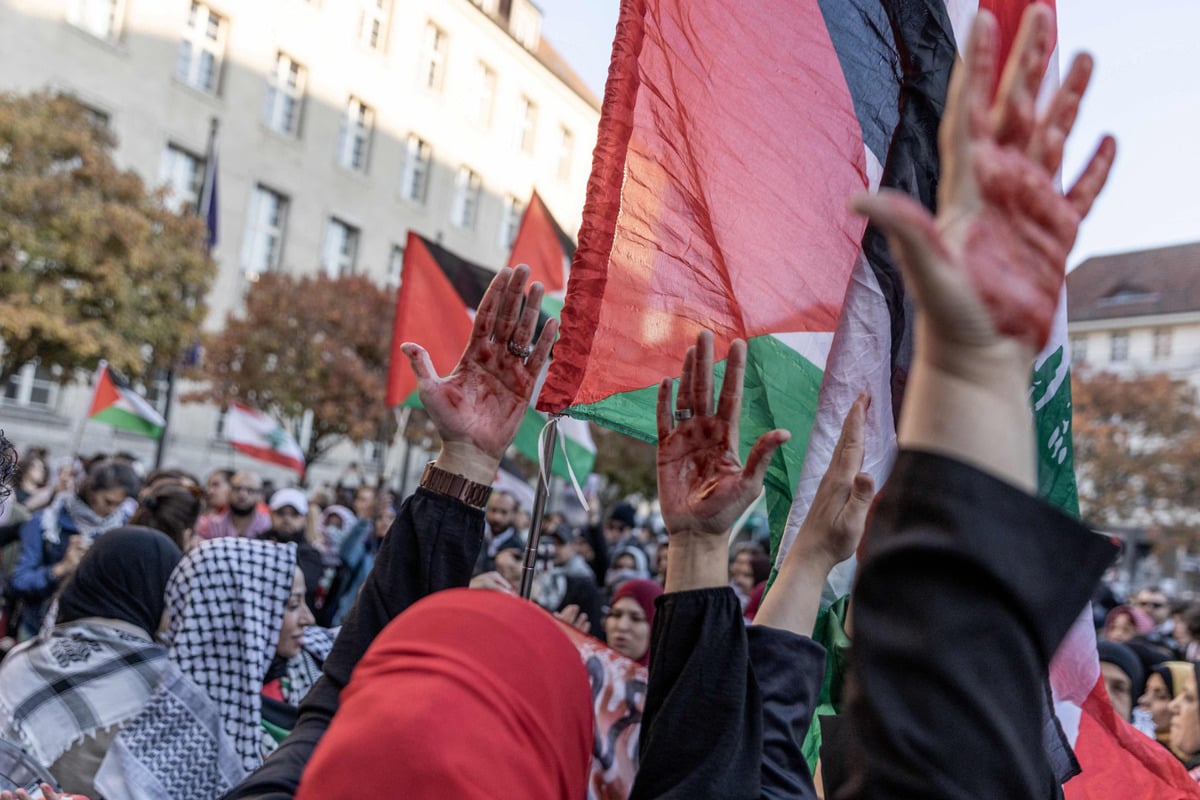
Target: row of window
[1118,346]
[202,51]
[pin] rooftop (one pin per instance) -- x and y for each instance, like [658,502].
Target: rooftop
[1165,280]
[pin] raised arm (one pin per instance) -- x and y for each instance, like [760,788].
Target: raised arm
[435,539]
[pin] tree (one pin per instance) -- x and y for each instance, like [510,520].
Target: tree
[91,264]
[314,344]
[1136,445]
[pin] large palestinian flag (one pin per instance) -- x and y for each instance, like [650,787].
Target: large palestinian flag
[731,136]
[435,307]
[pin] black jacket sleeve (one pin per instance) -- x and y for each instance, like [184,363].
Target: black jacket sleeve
[726,708]
[431,546]
[966,588]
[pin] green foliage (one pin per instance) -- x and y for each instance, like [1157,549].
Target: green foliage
[307,343]
[91,264]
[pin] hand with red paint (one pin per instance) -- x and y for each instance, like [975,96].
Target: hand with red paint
[702,485]
[991,265]
[479,406]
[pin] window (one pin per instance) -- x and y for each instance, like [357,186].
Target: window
[341,247]
[263,241]
[355,139]
[33,386]
[183,175]
[395,266]
[488,6]
[527,116]
[1078,349]
[525,24]
[1120,347]
[100,18]
[566,151]
[418,157]
[433,58]
[373,25]
[466,198]
[484,98]
[1162,344]
[203,47]
[285,96]
[514,209]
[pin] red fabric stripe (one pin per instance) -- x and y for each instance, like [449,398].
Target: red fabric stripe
[429,312]
[1008,18]
[106,393]
[269,455]
[1119,763]
[728,147]
[538,246]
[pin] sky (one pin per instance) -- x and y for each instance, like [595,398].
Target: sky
[1145,91]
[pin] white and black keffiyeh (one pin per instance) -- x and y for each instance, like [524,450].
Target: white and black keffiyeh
[200,733]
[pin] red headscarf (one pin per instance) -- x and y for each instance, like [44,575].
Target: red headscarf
[644,593]
[468,695]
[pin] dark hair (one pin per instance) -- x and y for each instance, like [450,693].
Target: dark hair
[760,565]
[175,475]
[171,507]
[34,455]
[223,471]
[109,474]
[8,465]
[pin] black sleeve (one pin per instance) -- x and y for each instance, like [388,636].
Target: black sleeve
[726,711]
[966,588]
[431,546]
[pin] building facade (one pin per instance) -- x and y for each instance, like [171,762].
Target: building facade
[342,124]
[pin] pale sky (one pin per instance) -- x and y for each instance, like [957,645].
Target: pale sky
[1146,92]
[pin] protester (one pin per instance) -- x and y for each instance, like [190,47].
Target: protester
[64,696]
[569,582]
[1164,683]
[33,488]
[246,515]
[54,539]
[627,626]
[172,508]
[499,533]
[289,524]
[1154,602]
[1124,676]
[217,490]
[1124,623]
[1185,723]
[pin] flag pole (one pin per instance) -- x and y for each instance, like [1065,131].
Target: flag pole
[162,436]
[545,465]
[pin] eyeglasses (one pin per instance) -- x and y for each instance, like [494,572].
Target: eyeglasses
[247,489]
[1150,604]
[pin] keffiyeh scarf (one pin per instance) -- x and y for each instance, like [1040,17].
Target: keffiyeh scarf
[82,678]
[87,523]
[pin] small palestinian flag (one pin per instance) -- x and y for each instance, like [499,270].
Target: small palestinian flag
[435,307]
[114,403]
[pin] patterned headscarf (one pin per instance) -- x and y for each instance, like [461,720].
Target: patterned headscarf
[225,602]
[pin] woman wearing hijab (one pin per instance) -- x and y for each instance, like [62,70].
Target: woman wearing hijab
[232,606]
[54,539]
[1164,684]
[64,696]
[627,626]
[483,694]
[1124,623]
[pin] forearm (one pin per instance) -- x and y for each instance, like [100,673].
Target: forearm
[795,596]
[697,562]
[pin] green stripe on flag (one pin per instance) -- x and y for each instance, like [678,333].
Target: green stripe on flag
[582,459]
[128,421]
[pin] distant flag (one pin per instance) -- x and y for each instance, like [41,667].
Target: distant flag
[435,306]
[261,437]
[114,403]
[208,196]
[543,245]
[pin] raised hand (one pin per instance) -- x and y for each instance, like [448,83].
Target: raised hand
[991,265]
[479,406]
[702,485]
[573,616]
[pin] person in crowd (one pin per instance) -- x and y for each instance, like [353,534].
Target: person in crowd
[569,582]
[171,475]
[628,563]
[54,539]
[358,549]
[620,527]
[172,508]
[33,488]
[233,605]
[749,569]
[65,695]
[1124,676]
[627,626]
[1185,630]
[218,490]
[660,560]
[289,524]
[958,542]
[1185,723]
[438,532]
[1155,602]
[246,515]
[500,533]
[335,524]
[1124,623]
[1163,684]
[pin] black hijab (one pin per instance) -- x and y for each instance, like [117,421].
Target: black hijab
[122,576]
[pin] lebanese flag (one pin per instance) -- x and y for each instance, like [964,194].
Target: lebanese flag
[261,437]
[114,403]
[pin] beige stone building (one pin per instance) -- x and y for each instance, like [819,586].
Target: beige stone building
[342,125]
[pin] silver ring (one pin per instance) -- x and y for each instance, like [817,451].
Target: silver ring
[518,351]
[682,414]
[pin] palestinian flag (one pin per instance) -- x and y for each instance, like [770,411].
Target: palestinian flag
[114,403]
[439,292]
[260,436]
[547,249]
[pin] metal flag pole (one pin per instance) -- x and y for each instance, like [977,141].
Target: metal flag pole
[545,463]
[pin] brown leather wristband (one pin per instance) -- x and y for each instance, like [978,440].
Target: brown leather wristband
[453,485]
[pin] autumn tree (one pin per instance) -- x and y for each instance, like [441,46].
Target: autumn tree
[302,344]
[92,265]
[1137,443]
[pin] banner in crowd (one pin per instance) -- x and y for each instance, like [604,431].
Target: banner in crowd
[114,403]
[260,436]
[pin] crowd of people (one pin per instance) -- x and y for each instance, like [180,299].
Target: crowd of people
[169,639]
